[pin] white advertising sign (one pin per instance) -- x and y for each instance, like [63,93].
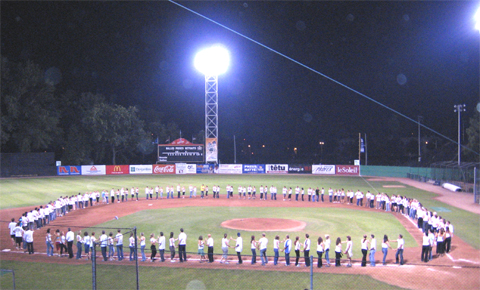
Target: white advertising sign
[276,168]
[323,169]
[94,170]
[191,169]
[180,168]
[230,168]
[141,169]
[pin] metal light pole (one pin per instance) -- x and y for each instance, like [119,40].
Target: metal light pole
[419,151]
[459,109]
[321,150]
[212,62]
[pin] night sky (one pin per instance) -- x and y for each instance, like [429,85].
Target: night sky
[418,58]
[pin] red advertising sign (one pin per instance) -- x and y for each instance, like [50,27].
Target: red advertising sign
[117,169]
[347,170]
[164,169]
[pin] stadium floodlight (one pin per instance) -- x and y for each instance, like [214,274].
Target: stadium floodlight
[477,19]
[212,62]
[459,109]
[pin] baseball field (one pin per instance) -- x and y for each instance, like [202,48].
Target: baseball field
[460,269]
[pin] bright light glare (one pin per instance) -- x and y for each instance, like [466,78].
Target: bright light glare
[213,60]
[477,18]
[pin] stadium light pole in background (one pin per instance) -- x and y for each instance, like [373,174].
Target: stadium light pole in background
[459,109]
[212,62]
[321,150]
[419,151]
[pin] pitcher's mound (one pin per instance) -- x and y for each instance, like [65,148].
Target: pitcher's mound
[264,224]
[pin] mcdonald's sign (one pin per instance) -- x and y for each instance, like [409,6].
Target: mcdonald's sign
[117,169]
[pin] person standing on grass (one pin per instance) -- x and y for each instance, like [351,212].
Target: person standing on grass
[239,247]
[262,245]
[287,248]
[425,247]
[320,247]
[182,243]
[448,239]
[131,246]
[201,246]
[349,250]
[253,247]
[172,247]
[385,246]
[306,250]
[161,247]
[93,240]
[210,248]
[153,248]
[373,249]
[297,250]
[119,240]
[103,245]
[225,247]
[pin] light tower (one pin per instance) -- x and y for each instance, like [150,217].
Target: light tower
[459,109]
[212,62]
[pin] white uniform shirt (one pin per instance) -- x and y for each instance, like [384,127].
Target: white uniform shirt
[239,245]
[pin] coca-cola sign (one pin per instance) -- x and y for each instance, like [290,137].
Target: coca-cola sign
[164,169]
[347,170]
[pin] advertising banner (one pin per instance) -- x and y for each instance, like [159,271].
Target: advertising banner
[69,170]
[204,168]
[347,170]
[323,169]
[230,168]
[180,168]
[164,169]
[117,169]
[299,168]
[180,150]
[211,151]
[253,168]
[276,168]
[94,170]
[141,169]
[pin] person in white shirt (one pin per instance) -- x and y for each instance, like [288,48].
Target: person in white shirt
[172,247]
[70,237]
[364,247]
[119,240]
[349,250]
[276,245]
[103,245]
[147,192]
[306,250]
[225,247]
[425,247]
[79,245]
[400,247]
[320,250]
[239,247]
[373,249]
[262,244]
[327,244]
[210,248]
[18,230]
[28,235]
[182,243]
[131,246]
[12,226]
[161,247]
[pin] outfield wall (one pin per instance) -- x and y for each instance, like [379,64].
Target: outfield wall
[185,168]
[394,171]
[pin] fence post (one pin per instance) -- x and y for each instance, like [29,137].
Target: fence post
[311,272]
[136,256]
[94,267]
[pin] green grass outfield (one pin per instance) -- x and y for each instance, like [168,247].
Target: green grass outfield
[206,220]
[55,276]
[18,192]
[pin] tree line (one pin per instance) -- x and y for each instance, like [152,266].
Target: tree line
[80,127]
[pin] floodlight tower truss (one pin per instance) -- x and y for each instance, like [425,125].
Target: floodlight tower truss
[211,106]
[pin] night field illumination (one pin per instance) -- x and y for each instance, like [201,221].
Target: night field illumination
[213,60]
